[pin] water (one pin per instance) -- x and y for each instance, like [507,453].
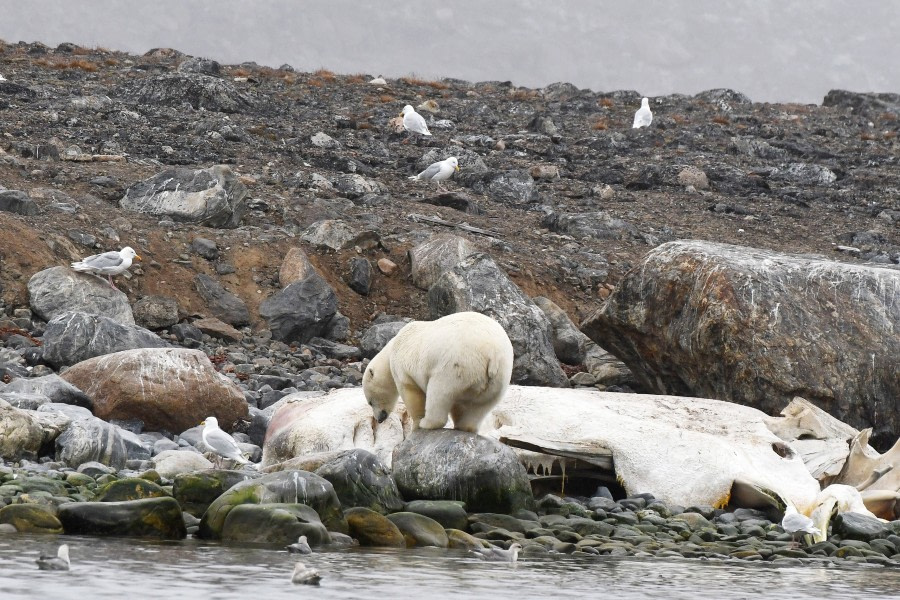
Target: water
[772,50]
[117,568]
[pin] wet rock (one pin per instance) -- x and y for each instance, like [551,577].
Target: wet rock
[222,303]
[31,518]
[196,490]
[59,290]
[373,529]
[360,479]
[195,89]
[168,389]
[21,435]
[53,387]
[359,276]
[91,439]
[855,526]
[277,488]
[419,530]
[150,517]
[18,202]
[377,336]
[76,336]
[479,285]
[440,253]
[461,540]
[130,488]
[274,523]
[213,197]
[763,327]
[445,464]
[156,312]
[172,463]
[450,514]
[301,311]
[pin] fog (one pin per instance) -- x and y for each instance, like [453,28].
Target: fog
[772,50]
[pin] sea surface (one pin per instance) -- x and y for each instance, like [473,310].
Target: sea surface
[130,568]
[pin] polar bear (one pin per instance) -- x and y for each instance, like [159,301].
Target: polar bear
[458,365]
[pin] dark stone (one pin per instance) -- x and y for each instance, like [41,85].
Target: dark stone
[275,523]
[58,290]
[156,312]
[359,277]
[377,336]
[360,479]
[196,491]
[856,526]
[31,518]
[176,89]
[18,202]
[150,517]
[450,514]
[74,337]
[222,303]
[301,311]
[205,248]
[130,488]
[91,439]
[186,331]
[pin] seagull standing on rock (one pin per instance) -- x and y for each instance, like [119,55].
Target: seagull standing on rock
[108,263]
[643,117]
[413,122]
[438,171]
[60,562]
[795,523]
[220,442]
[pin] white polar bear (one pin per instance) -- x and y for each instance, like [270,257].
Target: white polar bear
[458,365]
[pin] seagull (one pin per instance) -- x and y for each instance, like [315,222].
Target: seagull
[413,121]
[220,442]
[2,78]
[305,575]
[496,553]
[438,171]
[60,562]
[643,117]
[108,263]
[794,523]
[300,547]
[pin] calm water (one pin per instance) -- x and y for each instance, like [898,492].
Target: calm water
[117,568]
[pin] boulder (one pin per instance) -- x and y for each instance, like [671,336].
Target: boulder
[198,90]
[156,312]
[59,290]
[91,439]
[294,267]
[214,197]
[284,487]
[16,201]
[301,311]
[593,225]
[374,529]
[479,285]
[418,530]
[31,518]
[169,389]
[460,540]
[446,464]
[279,524]
[440,253]
[130,488]
[332,234]
[196,491]
[21,435]
[359,275]
[54,387]
[856,526]
[756,327]
[360,479]
[24,400]
[222,303]
[74,337]
[450,514]
[219,329]
[149,517]
[377,336]
[515,188]
[172,463]
[869,105]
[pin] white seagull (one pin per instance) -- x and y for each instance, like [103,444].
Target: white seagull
[220,442]
[301,546]
[304,574]
[439,171]
[643,117]
[794,523]
[2,78]
[60,562]
[499,554]
[108,263]
[413,121]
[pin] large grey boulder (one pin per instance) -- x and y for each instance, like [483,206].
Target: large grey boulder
[479,285]
[149,517]
[515,188]
[54,387]
[76,336]
[16,201]
[21,434]
[598,225]
[445,464]
[441,252]
[59,290]
[360,479]
[177,89]
[755,327]
[214,197]
[91,439]
[222,303]
[378,335]
[301,311]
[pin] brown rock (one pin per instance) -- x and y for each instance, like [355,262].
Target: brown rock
[20,433]
[373,529]
[217,328]
[169,389]
[695,177]
[546,172]
[386,266]
[294,267]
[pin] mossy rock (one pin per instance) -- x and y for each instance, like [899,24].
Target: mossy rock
[360,479]
[283,487]
[150,517]
[279,524]
[451,514]
[419,530]
[131,488]
[374,529]
[461,540]
[38,483]
[31,518]
[196,491]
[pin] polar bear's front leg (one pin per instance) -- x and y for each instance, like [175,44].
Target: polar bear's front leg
[414,399]
[437,407]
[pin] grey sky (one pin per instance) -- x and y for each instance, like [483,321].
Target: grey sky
[772,50]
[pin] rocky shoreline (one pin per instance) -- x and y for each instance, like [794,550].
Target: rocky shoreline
[284,246]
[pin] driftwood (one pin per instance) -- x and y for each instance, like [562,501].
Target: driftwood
[464,226]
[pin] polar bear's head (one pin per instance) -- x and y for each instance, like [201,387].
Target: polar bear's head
[379,387]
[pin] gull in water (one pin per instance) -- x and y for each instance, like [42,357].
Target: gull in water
[108,263]
[305,575]
[643,117]
[60,562]
[220,442]
[795,523]
[2,78]
[300,547]
[499,554]
[438,171]
[413,122]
